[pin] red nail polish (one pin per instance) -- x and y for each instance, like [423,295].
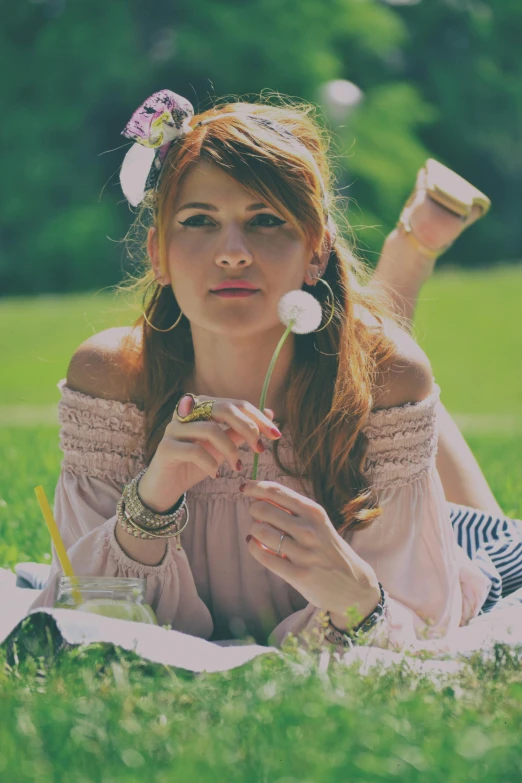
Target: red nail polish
[276,432]
[248,539]
[242,487]
[239,465]
[260,446]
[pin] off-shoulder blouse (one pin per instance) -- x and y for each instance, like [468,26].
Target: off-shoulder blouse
[213,587]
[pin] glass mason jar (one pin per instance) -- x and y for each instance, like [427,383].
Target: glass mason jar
[111,596]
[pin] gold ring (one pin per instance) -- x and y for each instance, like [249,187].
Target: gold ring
[202,411]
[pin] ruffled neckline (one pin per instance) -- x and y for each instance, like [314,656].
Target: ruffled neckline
[104,438]
[376,418]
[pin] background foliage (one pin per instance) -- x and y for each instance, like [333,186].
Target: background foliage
[439,78]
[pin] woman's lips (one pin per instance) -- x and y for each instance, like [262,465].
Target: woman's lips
[238,293]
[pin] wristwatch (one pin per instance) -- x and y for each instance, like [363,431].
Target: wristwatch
[345,638]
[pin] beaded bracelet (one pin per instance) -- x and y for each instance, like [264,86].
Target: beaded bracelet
[146,516]
[157,532]
[131,526]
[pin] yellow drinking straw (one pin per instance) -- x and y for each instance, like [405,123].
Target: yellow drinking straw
[57,539]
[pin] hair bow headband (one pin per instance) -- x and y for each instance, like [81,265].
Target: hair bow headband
[154,126]
[163,118]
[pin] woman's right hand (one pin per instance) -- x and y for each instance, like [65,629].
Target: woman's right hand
[191,451]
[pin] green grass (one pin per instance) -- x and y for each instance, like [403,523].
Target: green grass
[100,714]
[468,324]
[41,334]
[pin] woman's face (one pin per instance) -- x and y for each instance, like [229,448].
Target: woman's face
[227,235]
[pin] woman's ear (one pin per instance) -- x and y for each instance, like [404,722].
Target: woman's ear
[153,251]
[319,260]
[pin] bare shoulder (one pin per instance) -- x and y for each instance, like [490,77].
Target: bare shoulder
[408,376]
[100,368]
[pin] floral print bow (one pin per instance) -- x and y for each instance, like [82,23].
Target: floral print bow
[161,119]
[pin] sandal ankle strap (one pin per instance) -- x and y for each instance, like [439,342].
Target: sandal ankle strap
[403,224]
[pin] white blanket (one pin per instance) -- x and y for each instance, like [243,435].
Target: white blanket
[158,645]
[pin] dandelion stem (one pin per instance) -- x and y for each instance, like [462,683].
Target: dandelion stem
[267,381]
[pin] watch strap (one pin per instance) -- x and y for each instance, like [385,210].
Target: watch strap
[346,638]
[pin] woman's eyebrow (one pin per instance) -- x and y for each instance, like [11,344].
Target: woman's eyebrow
[212,208]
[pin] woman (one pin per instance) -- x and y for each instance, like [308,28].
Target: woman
[349,509]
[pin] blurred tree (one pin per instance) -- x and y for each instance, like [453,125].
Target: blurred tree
[66,70]
[466,58]
[73,72]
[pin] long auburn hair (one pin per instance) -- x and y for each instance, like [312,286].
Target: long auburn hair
[329,386]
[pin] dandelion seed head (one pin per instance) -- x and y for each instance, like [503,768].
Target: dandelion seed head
[303,309]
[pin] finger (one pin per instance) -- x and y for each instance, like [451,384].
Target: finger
[210,436]
[222,411]
[279,495]
[281,566]
[234,462]
[243,417]
[283,507]
[299,528]
[176,452]
[270,537]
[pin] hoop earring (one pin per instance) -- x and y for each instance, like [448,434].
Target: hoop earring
[147,320]
[332,303]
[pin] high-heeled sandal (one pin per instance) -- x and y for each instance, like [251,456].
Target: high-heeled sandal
[451,191]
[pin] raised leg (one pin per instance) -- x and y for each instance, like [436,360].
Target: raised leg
[402,271]
[459,471]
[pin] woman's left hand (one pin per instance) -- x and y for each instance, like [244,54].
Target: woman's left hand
[314,558]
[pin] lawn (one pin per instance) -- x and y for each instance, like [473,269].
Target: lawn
[100,714]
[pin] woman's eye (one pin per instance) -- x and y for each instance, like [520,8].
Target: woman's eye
[270,217]
[278,222]
[188,222]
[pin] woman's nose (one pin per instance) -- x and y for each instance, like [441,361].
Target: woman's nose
[233,249]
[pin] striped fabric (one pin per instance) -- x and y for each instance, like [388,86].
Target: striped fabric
[495,544]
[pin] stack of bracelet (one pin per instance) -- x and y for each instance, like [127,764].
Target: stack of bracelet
[138,520]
